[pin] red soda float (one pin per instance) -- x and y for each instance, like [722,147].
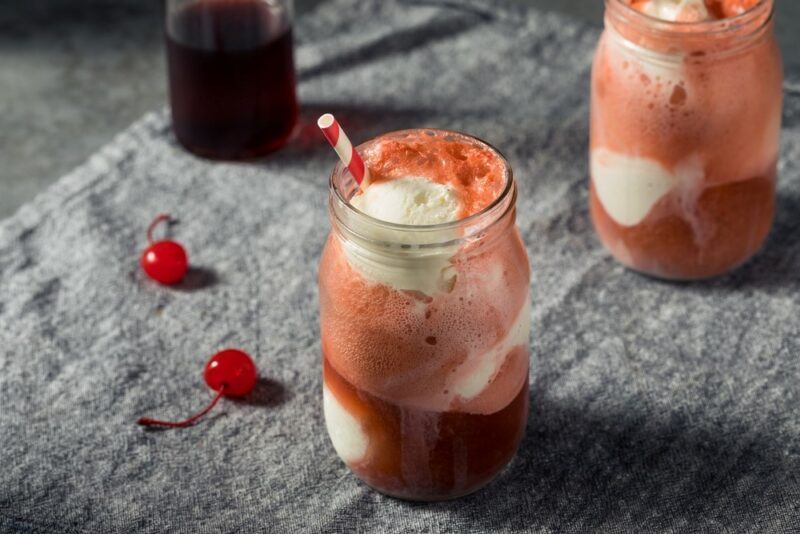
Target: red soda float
[425,315]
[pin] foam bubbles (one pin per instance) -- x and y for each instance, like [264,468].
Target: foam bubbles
[380,340]
[470,169]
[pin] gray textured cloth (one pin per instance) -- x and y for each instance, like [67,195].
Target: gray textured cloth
[656,407]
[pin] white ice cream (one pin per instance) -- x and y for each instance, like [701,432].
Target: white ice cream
[482,367]
[347,436]
[411,200]
[629,187]
[677,10]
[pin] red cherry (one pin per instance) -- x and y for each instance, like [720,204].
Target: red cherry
[233,370]
[164,261]
[231,373]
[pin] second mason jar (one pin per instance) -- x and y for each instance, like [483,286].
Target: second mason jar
[425,329]
[685,124]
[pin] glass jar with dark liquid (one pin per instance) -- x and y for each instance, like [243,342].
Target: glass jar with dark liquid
[231,76]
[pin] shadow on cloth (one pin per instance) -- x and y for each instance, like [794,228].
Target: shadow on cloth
[267,393]
[397,43]
[198,278]
[360,122]
[583,468]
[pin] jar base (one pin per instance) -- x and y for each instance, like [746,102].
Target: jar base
[661,277]
[245,154]
[440,498]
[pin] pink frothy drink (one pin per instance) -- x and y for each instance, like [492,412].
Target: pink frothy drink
[425,316]
[686,114]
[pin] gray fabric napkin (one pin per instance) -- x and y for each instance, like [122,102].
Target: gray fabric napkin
[656,407]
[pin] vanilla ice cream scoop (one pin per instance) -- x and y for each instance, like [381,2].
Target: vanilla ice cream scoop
[676,10]
[411,200]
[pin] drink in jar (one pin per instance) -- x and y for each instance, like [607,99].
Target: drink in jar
[685,121]
[425,316]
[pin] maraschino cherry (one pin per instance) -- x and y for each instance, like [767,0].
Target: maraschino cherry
[164,261]
[231,373]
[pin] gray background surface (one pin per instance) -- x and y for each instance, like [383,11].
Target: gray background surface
[73,73]
[655,407]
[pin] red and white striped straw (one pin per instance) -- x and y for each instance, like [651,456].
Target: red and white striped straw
[342,145]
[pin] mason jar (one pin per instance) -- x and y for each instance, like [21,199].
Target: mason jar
[685,124]
[425,342]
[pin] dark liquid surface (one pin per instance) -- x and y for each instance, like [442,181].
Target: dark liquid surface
[231,76]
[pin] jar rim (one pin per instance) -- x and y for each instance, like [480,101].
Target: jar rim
[496,207]
[725,25]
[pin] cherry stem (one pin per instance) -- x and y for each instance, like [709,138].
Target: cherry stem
[146,421]
[159,219]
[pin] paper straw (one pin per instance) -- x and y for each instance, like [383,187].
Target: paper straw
[343,147]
